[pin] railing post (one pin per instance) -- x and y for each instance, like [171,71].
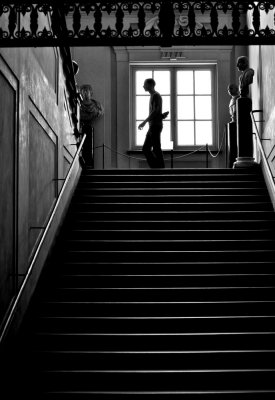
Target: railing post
[206,148]
[172,158]
[103,155]
[226,146]
[93,147]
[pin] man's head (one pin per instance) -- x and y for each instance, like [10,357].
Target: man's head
[149,84]
[242,63]
[233,89]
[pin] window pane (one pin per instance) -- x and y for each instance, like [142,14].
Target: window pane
[185,82]
[140,78]
[185,133]
[140,134]
[203,82]
[162,79]
[166,143]
[185,107]
[204,132]
[142,107]
[166,106]
[203,106]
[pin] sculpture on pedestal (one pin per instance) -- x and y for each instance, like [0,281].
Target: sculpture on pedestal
[90,110]
[246,78]
[244,124]
[233,91]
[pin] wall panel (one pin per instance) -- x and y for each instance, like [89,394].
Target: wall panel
[47,58]
[35,128]
[8,146]
[67,158]
[42,172]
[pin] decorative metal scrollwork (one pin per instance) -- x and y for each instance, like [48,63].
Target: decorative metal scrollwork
[136,22]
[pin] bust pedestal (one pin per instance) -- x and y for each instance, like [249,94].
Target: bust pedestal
[244,134]
[231,143]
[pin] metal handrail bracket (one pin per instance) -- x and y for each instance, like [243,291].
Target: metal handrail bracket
[11,314]
[266,167]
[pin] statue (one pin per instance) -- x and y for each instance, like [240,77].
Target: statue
[233,91]
[246,78]
[245,157]
[90,110]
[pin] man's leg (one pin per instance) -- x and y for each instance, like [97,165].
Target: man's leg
[159,163]
[147,150]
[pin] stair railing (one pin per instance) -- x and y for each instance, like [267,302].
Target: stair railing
[264,157]
[9,317]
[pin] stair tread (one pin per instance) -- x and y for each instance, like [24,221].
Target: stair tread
[161,371]
[267,212]
[62,317]
[142,189]
[130,334]
[159,351]
[169,275]
[257,179]
[173,230]
[166,288]
[174,251]
[171,203]
[154,392]
[168,196]
[164,302]
[169,263]
[170,240]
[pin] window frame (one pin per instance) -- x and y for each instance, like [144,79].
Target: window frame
[173,101]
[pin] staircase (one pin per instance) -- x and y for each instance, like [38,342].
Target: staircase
[163,288]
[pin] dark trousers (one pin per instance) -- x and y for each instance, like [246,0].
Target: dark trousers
[152,147]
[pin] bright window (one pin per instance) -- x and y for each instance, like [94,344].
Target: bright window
[187,94]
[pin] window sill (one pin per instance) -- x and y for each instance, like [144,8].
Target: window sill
[139,151]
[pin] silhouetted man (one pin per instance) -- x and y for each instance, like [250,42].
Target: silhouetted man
[152,144]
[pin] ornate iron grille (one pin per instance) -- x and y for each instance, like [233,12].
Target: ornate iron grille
[126,23]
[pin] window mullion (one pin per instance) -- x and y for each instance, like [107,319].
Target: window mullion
[173,107]
[194,106]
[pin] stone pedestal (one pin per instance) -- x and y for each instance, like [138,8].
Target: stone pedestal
[88,147]
[244,134]
[231,143]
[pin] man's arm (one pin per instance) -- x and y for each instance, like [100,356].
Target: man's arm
[156,107]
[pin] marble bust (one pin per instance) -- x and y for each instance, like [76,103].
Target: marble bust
[90,109]
[246,78]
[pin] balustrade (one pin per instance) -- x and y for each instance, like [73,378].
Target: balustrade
[121,22]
